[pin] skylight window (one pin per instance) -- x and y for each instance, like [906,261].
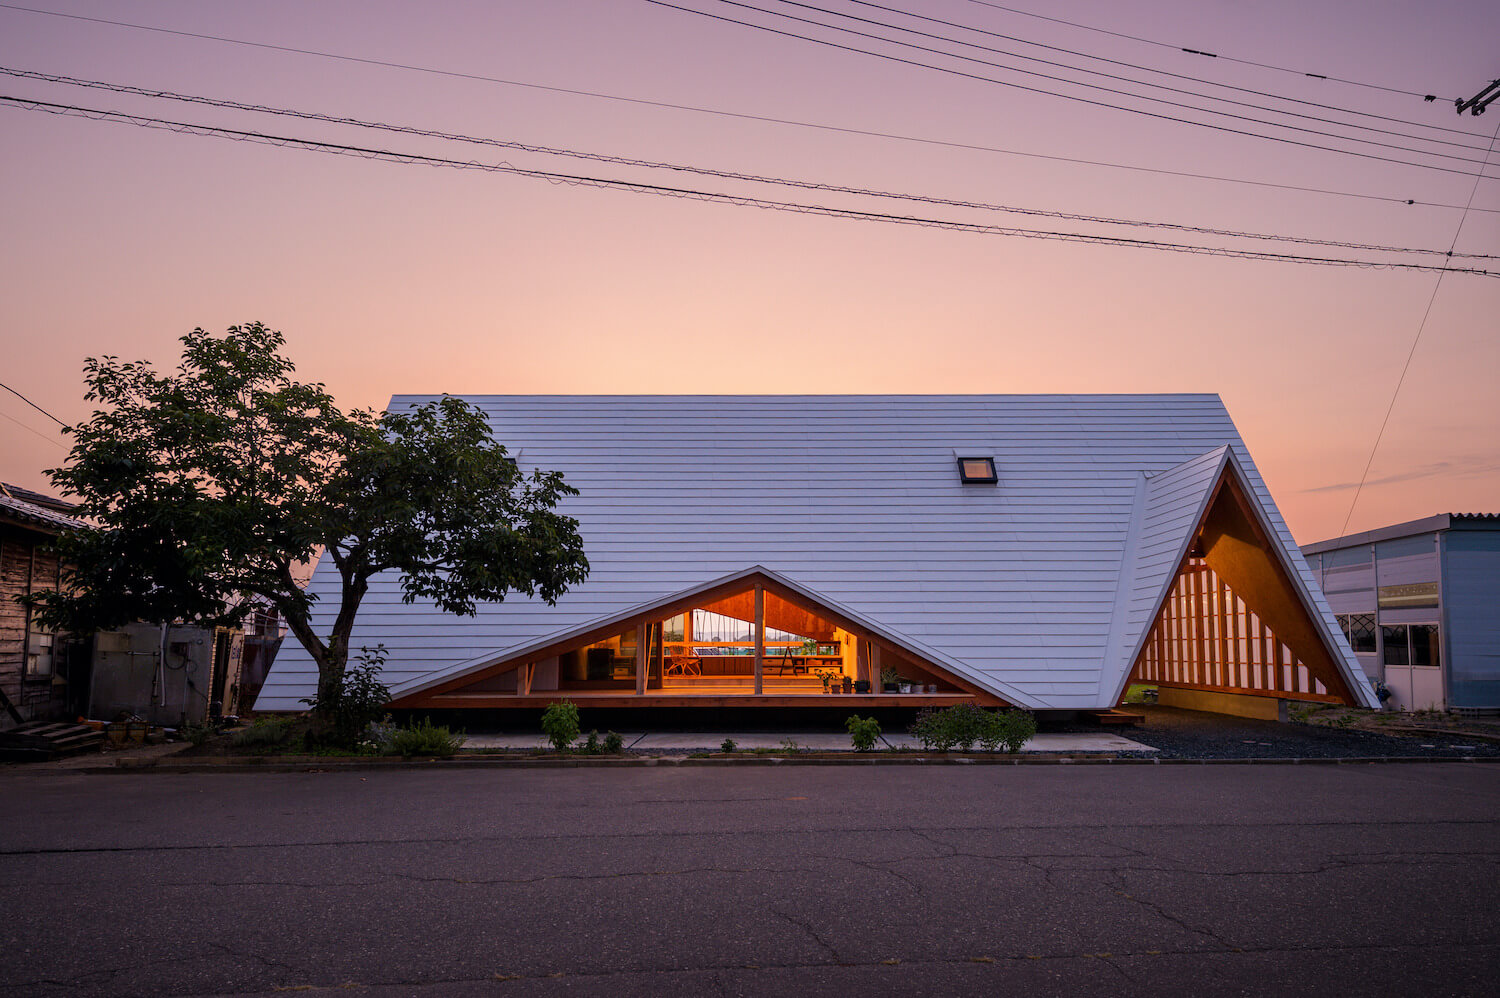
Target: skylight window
[977,470]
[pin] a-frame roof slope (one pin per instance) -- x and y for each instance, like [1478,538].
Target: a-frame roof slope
[856,499]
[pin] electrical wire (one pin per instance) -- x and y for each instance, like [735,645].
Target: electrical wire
[1203,53]
[28,401]
[35,432]
[701,171]
[1405,367]
[1072,97]
[718,197]
[720,112]
[1127,79]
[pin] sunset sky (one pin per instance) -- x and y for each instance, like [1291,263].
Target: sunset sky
[399,278]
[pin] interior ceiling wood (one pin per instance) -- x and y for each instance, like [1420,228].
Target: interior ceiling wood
[779,614]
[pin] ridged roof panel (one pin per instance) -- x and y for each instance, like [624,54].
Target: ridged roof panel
[853,497]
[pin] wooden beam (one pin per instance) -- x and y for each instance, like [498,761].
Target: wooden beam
[1242,554]
[1200,630]
[659,698]
[760,636]
[1241,673]
[640,657]
[659,657]
[1222,599]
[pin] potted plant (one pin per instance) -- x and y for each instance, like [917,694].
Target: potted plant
[932,687]
[890,680]
[861,686]
[827,676]
[848,684]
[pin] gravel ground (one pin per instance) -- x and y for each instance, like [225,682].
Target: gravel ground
[1189,734]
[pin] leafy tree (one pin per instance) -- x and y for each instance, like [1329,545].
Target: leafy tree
[212,483]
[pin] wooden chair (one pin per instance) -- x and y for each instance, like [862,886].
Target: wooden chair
[684,665]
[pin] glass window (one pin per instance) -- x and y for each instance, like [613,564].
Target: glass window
[672,628]
[1424,645]
[1394,637]
[977,470]
[1361,632]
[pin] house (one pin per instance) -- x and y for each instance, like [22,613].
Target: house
[1420,605]
[175,675]
[755,551]
[43,676]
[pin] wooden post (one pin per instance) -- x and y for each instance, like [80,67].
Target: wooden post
[640,658]
[1222,599]
[659,655]
[760,635]
[523,679]
[1241,672]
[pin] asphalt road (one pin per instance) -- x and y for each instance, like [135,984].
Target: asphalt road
[1350,879]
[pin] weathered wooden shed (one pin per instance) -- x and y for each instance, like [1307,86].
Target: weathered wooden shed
[774,551]
[41,678]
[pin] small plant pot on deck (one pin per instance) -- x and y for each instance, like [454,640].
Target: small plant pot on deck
[890,688]
[861,686]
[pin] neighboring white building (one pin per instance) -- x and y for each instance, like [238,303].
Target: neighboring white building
[1420,604]
[1038,551]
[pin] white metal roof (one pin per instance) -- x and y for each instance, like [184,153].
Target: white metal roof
[1037,588]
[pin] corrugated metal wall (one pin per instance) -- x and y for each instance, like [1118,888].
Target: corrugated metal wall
[1471,588]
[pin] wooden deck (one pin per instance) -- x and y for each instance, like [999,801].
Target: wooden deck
[686,698]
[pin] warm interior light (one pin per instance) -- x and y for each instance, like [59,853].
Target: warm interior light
[977,469]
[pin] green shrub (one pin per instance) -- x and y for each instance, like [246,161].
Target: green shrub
[263,731]
[361,699]
[614,743]
[932,730]
[197,734]
[427,739]
[727,745]
[560,724]
[1009,731]
[863,731]
[964,724]
[591,743]
[959,726]
[968,724]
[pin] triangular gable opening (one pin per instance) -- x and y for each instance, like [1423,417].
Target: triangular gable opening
[750,639]
[1233,620]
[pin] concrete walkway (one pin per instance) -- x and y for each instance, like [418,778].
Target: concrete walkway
[694,741]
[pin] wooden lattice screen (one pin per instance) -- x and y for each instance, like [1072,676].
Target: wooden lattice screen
[1206,638]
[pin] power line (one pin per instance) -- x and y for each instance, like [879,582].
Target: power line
[718,197]
[1200,52]
[1071,97]
[1115,76]
[720,112]
[35,432]
[1401,379]
[28,401]
[702,171]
